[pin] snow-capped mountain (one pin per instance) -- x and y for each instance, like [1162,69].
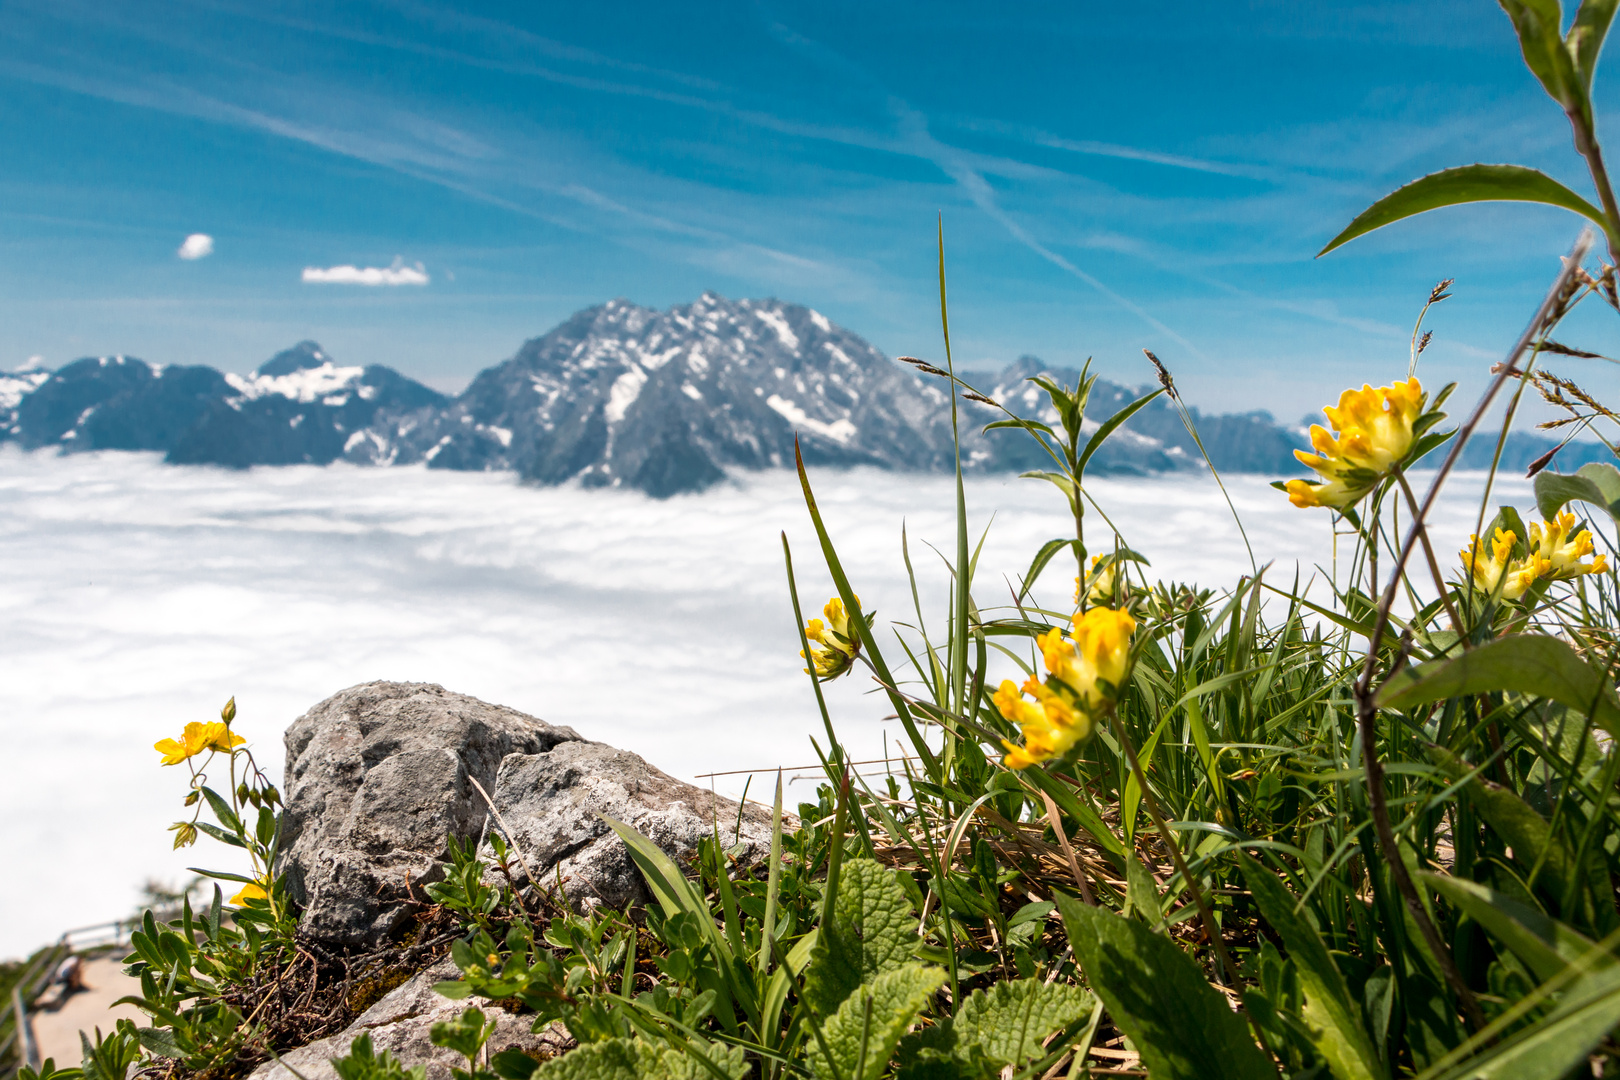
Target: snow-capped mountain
[297,407]
[14,386]
[665,401]
[622,395]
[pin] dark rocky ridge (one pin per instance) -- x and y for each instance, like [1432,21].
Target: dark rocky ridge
[619,395]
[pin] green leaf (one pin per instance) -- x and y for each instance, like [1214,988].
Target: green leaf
[872,929]
[1141,895]
[1556,1043]
[1008,1022]
[1107,428]
[1532,664]
[1465,184]
[1546,945]
[1159,999]
[1044,556]
[1070,804]
[1525,831]
[862,1034]
[513,1064]
[633,1059]
[161,1042]
[1597,483]
[1331,1015]
[1538,24]
[222,810]
[1586,34]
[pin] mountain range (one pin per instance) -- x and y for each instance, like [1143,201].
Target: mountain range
[621,395]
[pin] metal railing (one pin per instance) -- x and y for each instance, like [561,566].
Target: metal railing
[17,1045]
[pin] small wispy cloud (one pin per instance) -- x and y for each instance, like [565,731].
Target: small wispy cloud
[397,274]
[196,246]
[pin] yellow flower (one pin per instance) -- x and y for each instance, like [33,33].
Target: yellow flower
[1551,555]
[1375,433]
[1082,676]
[1104,582]
[195,739]
[839,644]
[249,892]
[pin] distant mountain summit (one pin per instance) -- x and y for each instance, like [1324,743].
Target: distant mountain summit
[626,396]
[297,407]
[666,401]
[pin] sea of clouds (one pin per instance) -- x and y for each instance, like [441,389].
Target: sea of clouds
[139,596]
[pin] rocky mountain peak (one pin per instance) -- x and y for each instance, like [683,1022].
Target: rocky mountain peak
[304,355]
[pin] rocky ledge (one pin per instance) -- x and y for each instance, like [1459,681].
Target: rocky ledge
[378,778]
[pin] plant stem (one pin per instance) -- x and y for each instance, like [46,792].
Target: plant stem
[1366,711]
[1586,143]
[1434,564]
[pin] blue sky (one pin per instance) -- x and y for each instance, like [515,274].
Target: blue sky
[1111,177]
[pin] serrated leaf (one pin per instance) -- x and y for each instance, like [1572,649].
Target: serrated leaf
[862,1035]
[1597,483]
[1533,664]
[872,930]
[1158,997]
[1465,184]
[1331,1014]
[1008,1022]
[633,1059]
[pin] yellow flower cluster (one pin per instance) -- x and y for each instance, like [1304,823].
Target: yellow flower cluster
[839,645]
[195,739]
[1374,434]
[1082,676]
[1551,555]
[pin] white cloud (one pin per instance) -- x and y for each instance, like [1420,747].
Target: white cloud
[197,246]
[397,274]
[482,584]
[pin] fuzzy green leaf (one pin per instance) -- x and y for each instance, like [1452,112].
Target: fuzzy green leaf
[1465,184]
[862,1035]
[1008,1022]
[633,1059]
[1158,997]
[872,930]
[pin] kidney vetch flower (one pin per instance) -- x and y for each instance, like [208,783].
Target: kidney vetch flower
[1375,431]
[839,644]
[1082,676]
[1551,555]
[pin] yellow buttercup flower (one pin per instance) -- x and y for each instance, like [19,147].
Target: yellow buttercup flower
[1374,434]
[1552,554]
[1083,673]
[249,892]
[195,739]
[839,644]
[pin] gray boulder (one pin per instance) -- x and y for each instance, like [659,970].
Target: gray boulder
[402,1024]
[379,775]
[553,802]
